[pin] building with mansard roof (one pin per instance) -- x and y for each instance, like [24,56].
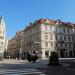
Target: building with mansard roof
[45,35]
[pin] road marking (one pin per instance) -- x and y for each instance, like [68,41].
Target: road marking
[20,72]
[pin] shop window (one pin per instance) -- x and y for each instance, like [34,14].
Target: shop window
[70,53]
[74,53]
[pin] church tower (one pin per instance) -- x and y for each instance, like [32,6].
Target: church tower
[2,37]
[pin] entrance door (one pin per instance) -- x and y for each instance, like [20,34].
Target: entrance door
[46,53]
[62,53]
[70,53]
[74,53]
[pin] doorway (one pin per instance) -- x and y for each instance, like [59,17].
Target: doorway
[46,53]
[62,53]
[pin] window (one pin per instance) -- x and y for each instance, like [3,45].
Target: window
[70,45]
[51,37]
[60,37]
[56,45]
[58,30]
[46,28]
[1,37]
[61,45]
[51,28]
[46,33]
[51,44]
[72,37]
[63,30]
[55,37]
[68,30]
[65,38]
[69,38]
[46,44]
[70,53]
[46,37]
[37,28]
[65,45]
[1,43]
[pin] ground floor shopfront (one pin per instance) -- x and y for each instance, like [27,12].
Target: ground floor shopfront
[42,53]
[45,53]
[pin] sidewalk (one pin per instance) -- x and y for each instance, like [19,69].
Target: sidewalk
[12,61]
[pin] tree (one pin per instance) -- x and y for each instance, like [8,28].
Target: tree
[53,59]
[29,57]
[34,58]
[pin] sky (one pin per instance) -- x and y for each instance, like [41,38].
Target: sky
[19,13]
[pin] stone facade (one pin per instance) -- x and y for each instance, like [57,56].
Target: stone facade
[12,48]
[16,45]
[45,36]
[2,37]
[20,42]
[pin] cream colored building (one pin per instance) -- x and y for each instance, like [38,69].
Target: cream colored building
[2,37]
[44,36]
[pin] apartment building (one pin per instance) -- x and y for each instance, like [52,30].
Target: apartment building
[2,37]
[44,36]
[16,45]
[20,42]
[12,48]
